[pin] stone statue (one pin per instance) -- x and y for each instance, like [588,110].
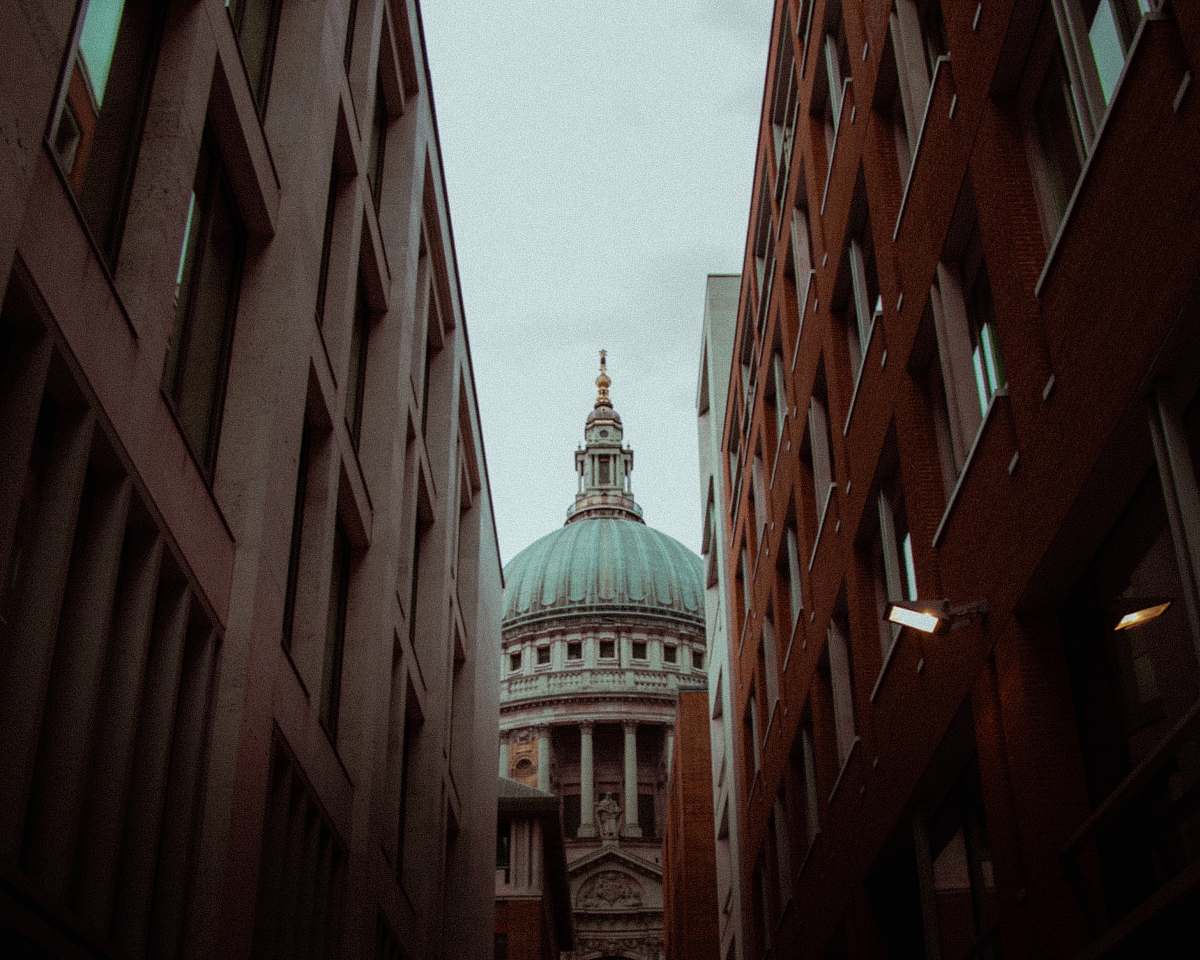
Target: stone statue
[608,813]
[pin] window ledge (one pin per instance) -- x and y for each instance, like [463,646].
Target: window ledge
[858,377]
[821,525]
[787,656]
[754,784]
[845,766]
[847,85]
[100,260]
[988,417]
[942,61]
[770,722]
[783,432]
[807,856]
[801,310]
[887,662]
[1063,224]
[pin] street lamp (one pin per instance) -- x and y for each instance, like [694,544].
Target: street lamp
[934,616]
[1137,611]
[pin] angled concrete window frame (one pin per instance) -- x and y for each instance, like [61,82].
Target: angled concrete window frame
[96,126]
[256,25]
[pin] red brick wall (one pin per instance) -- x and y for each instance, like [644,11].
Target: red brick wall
[1047,477]
[528,928]
[690,929]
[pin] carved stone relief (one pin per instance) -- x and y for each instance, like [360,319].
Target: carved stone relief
[608,890]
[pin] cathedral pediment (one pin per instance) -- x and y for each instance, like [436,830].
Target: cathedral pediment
[611,881]
[613,857]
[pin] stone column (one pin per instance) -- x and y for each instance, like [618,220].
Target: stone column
[669,748]
[632,829]
[543,768]
[504,754]
[587,783]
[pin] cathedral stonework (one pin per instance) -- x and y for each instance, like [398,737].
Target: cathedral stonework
[603,622]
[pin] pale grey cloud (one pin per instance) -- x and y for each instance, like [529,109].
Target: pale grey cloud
[599,161]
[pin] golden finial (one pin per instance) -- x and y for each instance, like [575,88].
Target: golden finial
[603,382]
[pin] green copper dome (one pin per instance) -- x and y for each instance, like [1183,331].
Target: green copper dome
[604,565]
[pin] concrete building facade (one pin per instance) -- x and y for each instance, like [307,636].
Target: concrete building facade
[533,896]
[964,399]
[603,620]
[716,358]
[250,594]
[690,927]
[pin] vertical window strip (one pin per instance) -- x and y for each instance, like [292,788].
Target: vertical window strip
[296,545]
[326,245]
[360,335]
[335,633]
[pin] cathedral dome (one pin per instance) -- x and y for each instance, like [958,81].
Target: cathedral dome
[603,565]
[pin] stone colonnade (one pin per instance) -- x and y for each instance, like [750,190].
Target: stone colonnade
[587,779]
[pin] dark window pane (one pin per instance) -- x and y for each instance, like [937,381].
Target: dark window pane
[210,273]
[348,52]
[256,23]
[1058,139]
[335,633]
[356,378]
[326,246]
[570,814]
[1133,686]
[377,144]
[646,815]
[293,571]
[933,33]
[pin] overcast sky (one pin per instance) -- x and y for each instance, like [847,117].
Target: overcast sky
[599,159]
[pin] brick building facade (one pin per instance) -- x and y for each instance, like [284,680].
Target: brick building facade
[966,369]
[251,586]
[690,929]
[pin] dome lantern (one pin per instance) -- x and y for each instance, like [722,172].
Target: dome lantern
[604,463]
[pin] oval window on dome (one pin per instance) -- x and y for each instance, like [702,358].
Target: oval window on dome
[604,433]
